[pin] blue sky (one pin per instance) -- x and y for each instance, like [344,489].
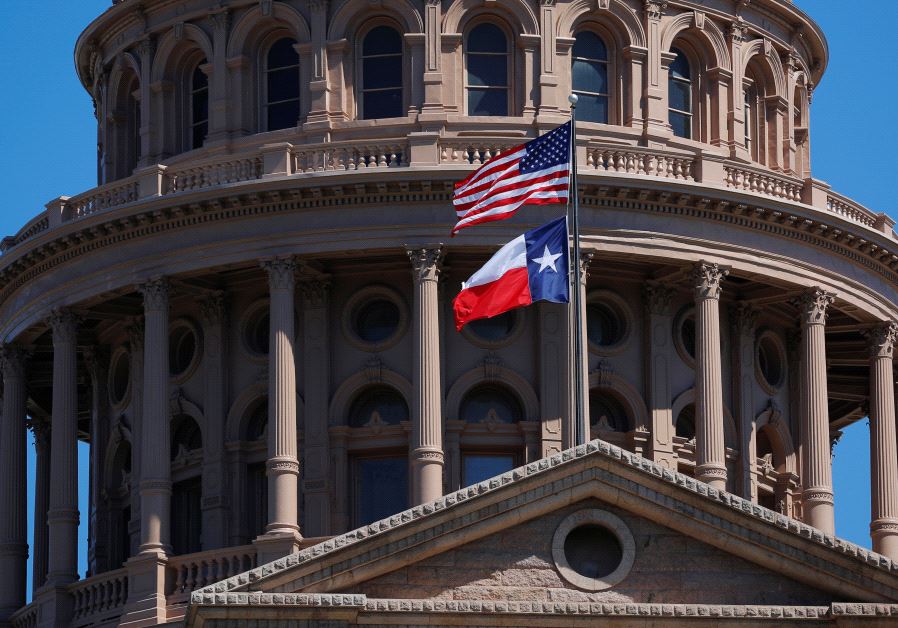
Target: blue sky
[48,148]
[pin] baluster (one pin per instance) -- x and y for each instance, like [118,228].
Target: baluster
[182,579]
[631,163]
[392,163]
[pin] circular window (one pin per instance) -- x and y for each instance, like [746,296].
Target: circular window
[496,331]
[607,322]
[684,335]
[183,349]
[771,369]
[593,549]
[375,318]
[119,377]
[255,329]
[378,405]
[490,404]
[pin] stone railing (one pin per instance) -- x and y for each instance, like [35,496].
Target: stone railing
[25,617]
[211,173]
[350,156]
[640,161]
[758,181]
[850,210]
[100,598]
[474,152]
[194,571]
[33,227]
[103,197]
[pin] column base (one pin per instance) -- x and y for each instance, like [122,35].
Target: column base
[712,474]
[884,533]
[273,545]
[148,582]
[427,475]
[817,510]
[55,606]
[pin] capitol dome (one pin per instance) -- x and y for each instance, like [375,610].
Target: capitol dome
[249,320]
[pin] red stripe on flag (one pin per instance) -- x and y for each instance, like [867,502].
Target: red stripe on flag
[511,290]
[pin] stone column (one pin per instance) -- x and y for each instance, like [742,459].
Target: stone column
[816,468]
[737,34]
[96,360]
[319,96]
[710,450]
[135,344]
[146,49]
[745,318]
[317,482]
[155,438]
[883,450]
[215,371]
[218,84]
[63,514]
[427,407]
[655,87]
[283,463]
[41,431]
[658,323]
[13,483]
[433,76]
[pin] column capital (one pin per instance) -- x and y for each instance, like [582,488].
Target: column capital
[745,319]
[12,361]
[213,309]
[314,292]
[653,8]
[220,21]
[706,277]
[135,334]
[280,272]
[812,305]
[882,339]
[155,294]
[585,261]
[657,298]
[96,357]
[426,262]
[41,430]
[64,324]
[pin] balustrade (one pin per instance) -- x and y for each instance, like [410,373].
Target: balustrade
[759,182]
[103,197]
[194,571]
[641,162]
[100,597]
[329,157]
[474,152]
[25,617]
[850,210]
[210,174]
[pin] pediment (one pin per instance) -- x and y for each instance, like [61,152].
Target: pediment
[491,546]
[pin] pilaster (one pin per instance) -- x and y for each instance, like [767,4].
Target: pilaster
[655,87]
[657,298]
[41,430]
[96,359]
[745,319]
[215,504]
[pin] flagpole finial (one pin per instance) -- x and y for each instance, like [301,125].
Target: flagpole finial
[573,98]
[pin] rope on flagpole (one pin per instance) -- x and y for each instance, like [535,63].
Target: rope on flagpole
[579,426]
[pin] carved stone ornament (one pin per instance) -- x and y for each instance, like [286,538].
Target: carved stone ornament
[882,339]
[738,30]
[434,455]
[64,324]
[657,298]
[706,279]
[604,372]
[812,306]
[282,465]
[213,309]
[653,8]
[220,21]
[280,273]
[314,292]
[426,262]
[745,319]
[136,334]
[374,370]
[492,363]
[155,295]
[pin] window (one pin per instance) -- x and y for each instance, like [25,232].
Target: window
[589,76]
[493,331]
[685,424]
[257,426]
[256,330]
[378,405]
[119,377]
[281,85]
[606,413]
[186,519]
[185,436]
[679,93]
[256,499]
[182,349]
[382,73]
[605,326]
[376,320]
[380,488]
[489,403]
[199,106]
[487,71]
[749,119]
[478,467]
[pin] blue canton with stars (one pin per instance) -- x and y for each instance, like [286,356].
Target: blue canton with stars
[547,150]
[547,262]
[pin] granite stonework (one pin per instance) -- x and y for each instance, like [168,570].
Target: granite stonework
[699,552]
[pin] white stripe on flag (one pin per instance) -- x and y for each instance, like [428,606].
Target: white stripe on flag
[512,255]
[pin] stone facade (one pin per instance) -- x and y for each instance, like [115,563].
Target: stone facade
[250,321]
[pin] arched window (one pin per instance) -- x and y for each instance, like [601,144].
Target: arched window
[679,93]
[685,424]
[186,499]
[199,106]
[281,85]
[751,132]
[378,405]
[382,73]
[589,76]
[257,425]
[185,436]
[489,403]
[487,63]
[118,489]
[606,413]
[255,490]
[755,117]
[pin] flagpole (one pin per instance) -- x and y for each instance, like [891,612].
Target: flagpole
[579,431]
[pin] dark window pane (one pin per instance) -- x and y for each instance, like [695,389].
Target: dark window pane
[593,551]
[381,72]
[681,96]
[377,320]
[382,40]
[283,85]
[199,134]
[593,108]
[679,67]
[687,333]
[386,104]
[256,499]
[590,77]
[588,45]
[487,70]
[282,54]
[685,425]
[607,413]
[604,326]
[200,80]
[186,516]
[283,116]
[487,38]
[490,404]
[381,488]
[478,468]
[682,124]
[378,405]
[493,329]
[487,102]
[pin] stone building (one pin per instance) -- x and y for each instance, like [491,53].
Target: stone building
[249,321]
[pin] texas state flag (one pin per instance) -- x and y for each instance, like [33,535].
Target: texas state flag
[532,267]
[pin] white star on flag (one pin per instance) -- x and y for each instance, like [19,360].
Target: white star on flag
[547,260]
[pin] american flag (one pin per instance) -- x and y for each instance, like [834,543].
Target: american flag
[535,173]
